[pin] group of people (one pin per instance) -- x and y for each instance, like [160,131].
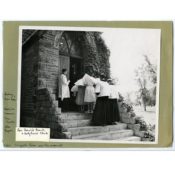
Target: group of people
[98,96]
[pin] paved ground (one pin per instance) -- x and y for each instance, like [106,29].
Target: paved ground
[149,115]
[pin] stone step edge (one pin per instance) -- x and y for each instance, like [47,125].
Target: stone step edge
[66,125]
[108,127]
[74,112]
[69,120]
[74,121]
[74,117]
[100,134]
[128,138]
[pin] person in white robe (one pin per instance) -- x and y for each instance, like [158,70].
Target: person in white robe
[79,91]
[90,96]
[64,92]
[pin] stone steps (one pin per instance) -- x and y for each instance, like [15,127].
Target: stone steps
[96,129]
[74,116]
[75,123]
[131,138]
[78,126]
[111,135]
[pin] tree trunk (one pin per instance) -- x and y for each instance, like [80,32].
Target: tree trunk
[144,103]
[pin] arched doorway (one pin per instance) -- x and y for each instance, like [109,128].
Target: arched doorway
[70,58]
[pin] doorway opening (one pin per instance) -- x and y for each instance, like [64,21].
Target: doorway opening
[75,73]
[76,70]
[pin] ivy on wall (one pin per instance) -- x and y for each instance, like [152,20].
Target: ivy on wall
[103,55]
[95,54]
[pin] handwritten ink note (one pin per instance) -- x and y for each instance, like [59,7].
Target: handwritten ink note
[32,134]
[9,112]
[8,107]
[9,96]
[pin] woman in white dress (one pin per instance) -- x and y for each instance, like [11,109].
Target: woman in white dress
[90,96]
[64,92]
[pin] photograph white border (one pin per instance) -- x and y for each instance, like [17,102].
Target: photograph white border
[99,29]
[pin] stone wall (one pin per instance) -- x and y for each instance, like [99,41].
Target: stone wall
[29,73]
[48,115]
[48,62]
[40,68]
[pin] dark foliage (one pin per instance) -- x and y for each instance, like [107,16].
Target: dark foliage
[96,55]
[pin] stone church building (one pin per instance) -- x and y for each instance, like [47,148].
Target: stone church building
[44,54]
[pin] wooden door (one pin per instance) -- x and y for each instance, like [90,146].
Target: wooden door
[65,64]
[76,71]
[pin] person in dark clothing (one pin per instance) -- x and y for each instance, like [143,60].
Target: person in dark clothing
[113,109]
[100,114]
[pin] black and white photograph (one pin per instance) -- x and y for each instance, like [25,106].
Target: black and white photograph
[90,84]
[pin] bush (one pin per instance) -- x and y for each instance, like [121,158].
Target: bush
[147,128]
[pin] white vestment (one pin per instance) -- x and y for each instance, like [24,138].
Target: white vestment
[103,89]
[89,82]
[63,87]
[113,92]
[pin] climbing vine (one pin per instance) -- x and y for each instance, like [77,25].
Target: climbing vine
[103,55]
[95,54]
